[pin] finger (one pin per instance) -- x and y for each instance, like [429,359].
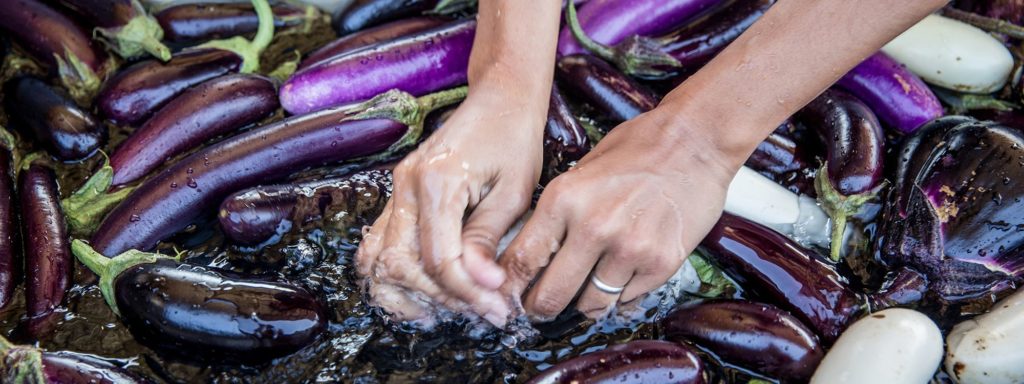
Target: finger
[372,243]
[395,301]
[648,279]
[614,270]
[490,220]
[532,249]
[563,278]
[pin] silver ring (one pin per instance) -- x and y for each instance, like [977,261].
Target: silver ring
[604,287]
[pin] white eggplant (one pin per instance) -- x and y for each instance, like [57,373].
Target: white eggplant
[989,348]
[759,199]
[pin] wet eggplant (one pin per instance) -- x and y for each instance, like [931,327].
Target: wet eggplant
[781,158]
[53,119]
[370,36]
[642,361]
[617,96]
[565,139]
[47,253]
[28,364]
[187,24]
[370,13]
[9,262]
[124,25]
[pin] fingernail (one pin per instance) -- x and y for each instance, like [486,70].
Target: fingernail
[496,319]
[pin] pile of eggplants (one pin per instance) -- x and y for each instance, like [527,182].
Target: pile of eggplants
[130,128]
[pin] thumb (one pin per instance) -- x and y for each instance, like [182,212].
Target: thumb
[488,223]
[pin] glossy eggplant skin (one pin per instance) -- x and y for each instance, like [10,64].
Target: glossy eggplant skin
[53,119]
[76,368]
[370,36]
[752,335]
[103,13]
[641,361]
[134,93]
[215,107]
[196,23]
[242,318]
[781,158]
[782,272]
[565,139]
[613,21]
[619,97]
[900,99]
[9,262]
[47,250]
[696,43]
[371,13]
[853,140]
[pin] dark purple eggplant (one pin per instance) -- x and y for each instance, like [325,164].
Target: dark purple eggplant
[593,80]
[124,25]
[897,96]
[752,335]
[565,139]
[371,36]
[780,158]
[53,119]
[419,64]
[641,361]
[28,364]
[195,185]
[243,318]
[9,263]
[1009,10]
[56,41]
[366,14]
[852,174]
[210,109]
[186,24]
[254,215]
[47,253]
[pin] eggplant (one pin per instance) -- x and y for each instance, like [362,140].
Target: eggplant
[419,64]
[752,335]
[186,24]
[57,42]
[986,349]
[640,361]
[215,107]
[244,318]
[1009,10]
[565,139]
[366,14]
[371,36]
[28,364]
[9,262]
[617,96]
[253,216]
[780,158]
[124,25]
[158,209]
[852,174]
[954,211]
[47,253]
[53,119]
[899,98]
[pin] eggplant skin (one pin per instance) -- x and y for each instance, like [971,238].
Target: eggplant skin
[642,361]
[53,119]
[75,368]
[752,335]
[9,261]
[371,36]
[616,95]
[375,12]
[184,308]
[47,251]
[853,140]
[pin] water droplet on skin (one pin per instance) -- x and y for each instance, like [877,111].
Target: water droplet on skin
[174,185]
[134,218]
[192,183]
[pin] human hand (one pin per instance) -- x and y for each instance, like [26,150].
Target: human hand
[423,251]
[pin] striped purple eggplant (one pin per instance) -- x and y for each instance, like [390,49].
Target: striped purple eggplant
[418,64]
[47,252]
[124,25]
[370,36]
[52,119]
[365,14]
[640,361]
[615,95]
[899,98]
[186,24]
[28,364]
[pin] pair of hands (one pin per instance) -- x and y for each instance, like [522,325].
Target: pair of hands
[629,212]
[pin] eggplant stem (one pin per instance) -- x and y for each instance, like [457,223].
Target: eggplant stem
[21,364]
[409,110]
[89,204]
[141,35]
[636,56]
[110,268]
[839,207]
[987,23]
[287,68]
[249,51]
[81,81]
[601,50]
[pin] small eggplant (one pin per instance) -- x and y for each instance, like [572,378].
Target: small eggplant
[195,23]
[612,21]
[124,25]
[371,36]
[565,139]
[752,335]
[619,97]
[243,318]
[781,159]
[47,253]
[852,174]
[897,96]
[53,119]
[371,13]
[641,361]
[9,263]
[986,349]
[28,364]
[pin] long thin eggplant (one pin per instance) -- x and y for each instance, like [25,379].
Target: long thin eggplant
[9,263]
[898,97]
[366,14]
[195,185]
[28,364]
[56,41]
[419,64]
[124,25]
[619,97]
[243,318]
[53,119]
[565,139]
[210,109]
[47,252]
[370,36]
[752,335]
[195,23]
[641,361]
[852,174]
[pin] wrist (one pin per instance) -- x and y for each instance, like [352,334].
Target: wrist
[728,134]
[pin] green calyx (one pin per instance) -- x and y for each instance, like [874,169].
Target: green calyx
[713,282]
[839,207]
[141,35]
[20,364]
[33,158]
[249,51]
[79,79]
[89,204]
[636,56]
[409,110]
[109,268]
[10,143]
[286,69]
[447,7]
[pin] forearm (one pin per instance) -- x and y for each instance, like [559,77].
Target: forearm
[781,63]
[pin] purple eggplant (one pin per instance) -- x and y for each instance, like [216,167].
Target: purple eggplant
[899,98]
[56,41]
[210,109]
[641,361]
[28,364]
[124,25]
[419,64]
[1009,10]
[617,96]
[852,174]
[371,36]
[195,185]
[9,261]
[53,119]
[780,158]
[47,253]
[752,335]
[565,139]
[366,14]
[954,214]
[243,318]
[254,215]
[195,23]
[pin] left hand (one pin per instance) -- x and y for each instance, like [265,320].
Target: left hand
[629,213]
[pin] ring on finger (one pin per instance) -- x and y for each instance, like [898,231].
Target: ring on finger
[605,287]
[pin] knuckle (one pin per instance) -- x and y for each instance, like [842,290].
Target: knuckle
[520,268]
